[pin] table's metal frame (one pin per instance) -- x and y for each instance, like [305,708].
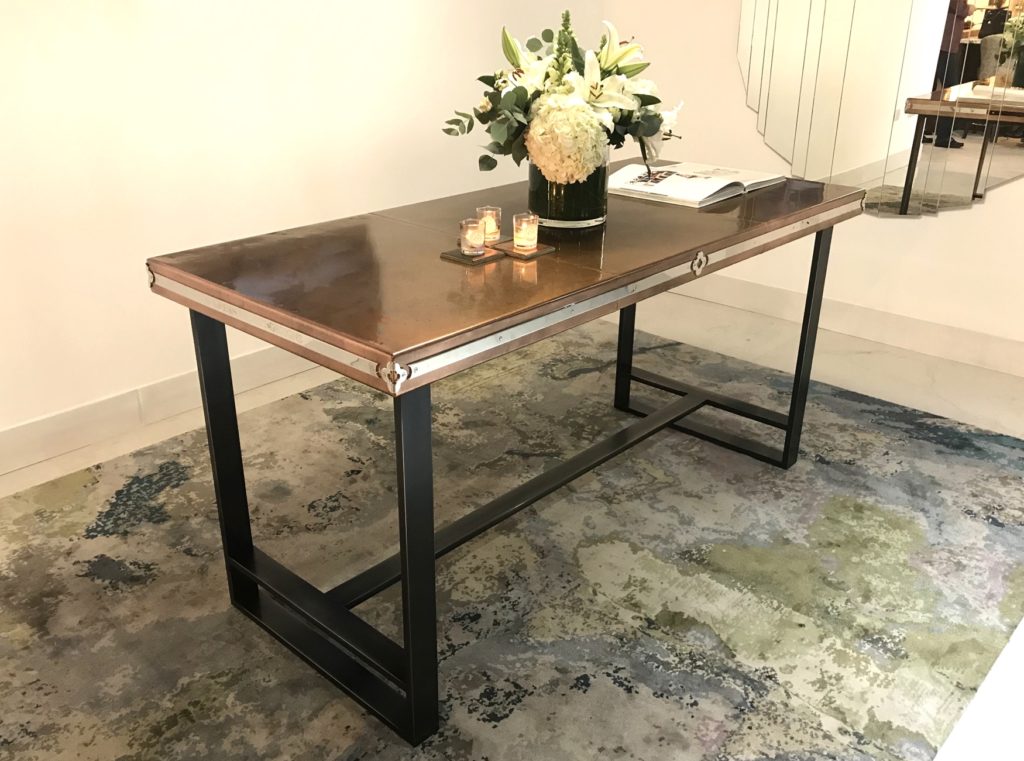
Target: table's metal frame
[399,683]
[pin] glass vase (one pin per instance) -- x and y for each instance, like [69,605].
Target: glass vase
[572,205]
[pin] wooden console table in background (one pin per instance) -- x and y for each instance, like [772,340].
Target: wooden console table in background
[369,297]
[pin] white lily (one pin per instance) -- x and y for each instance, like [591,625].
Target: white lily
[613,54]
[603,95]
[533,72]
[638,86]
[669,119]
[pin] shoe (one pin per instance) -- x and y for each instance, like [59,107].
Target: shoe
[927,138]
[951,144]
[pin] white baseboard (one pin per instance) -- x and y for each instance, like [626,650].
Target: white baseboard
[944,341]
[66,431]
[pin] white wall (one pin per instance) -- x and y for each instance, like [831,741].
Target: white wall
[134,129]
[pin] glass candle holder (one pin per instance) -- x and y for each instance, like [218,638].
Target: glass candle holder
[524,231]
[490,216]
[471,237]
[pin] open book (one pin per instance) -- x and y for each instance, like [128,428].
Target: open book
[687,184]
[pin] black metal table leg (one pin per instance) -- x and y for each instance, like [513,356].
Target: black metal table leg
[416,549]
[791,422]
[915,150]
[991,128]
[398,684]
[624,356]
[805,352]
[218,394]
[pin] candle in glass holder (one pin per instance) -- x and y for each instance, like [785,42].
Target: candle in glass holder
[491,218]
[471,237]
[524,231]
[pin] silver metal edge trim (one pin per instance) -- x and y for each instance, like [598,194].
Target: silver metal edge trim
[576,224]
[341,356]
[660,281]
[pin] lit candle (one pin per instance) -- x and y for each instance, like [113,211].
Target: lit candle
[471,237]
[524,231]
[491,218]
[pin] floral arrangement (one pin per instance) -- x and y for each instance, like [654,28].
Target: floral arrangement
[1013,33]
[562,107]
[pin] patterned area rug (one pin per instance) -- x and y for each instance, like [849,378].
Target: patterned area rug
[679,602]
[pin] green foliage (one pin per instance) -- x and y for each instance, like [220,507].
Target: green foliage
[534,45]
[630,70]
[578,61]
[548,36]
[460,126]
[508,47]
[564,59]
[486,163]
[645,100]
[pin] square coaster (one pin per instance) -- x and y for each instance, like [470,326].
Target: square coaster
[489,255]
[509,248]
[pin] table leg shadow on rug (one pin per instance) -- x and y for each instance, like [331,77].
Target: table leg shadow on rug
[681,601]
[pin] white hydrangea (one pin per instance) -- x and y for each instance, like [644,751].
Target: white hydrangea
[566,140]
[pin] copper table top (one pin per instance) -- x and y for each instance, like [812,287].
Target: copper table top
[370,297]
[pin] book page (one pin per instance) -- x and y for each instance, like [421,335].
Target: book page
[668,182]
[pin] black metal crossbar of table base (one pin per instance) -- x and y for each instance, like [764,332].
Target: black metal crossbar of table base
[791,423]
[398,681]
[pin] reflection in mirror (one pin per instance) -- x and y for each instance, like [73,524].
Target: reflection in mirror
[920,103]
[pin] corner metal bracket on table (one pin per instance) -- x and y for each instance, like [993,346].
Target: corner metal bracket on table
[398,682]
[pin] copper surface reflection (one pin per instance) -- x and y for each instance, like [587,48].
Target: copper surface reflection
[524,273]
[584,247]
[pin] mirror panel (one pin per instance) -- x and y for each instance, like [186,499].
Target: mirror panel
[789,51]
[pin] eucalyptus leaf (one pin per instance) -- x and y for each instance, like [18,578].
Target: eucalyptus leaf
[650,124]
[454,122]
[548,36]
[534,45]
[645,100]
[487,79]
[522,96]
[499,130]
[486,163]
[464,116]
[450,131]
[508,101]
[519,151]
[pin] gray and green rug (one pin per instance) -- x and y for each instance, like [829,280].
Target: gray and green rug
[680,602]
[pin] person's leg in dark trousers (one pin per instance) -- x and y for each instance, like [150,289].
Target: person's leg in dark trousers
[948,74]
